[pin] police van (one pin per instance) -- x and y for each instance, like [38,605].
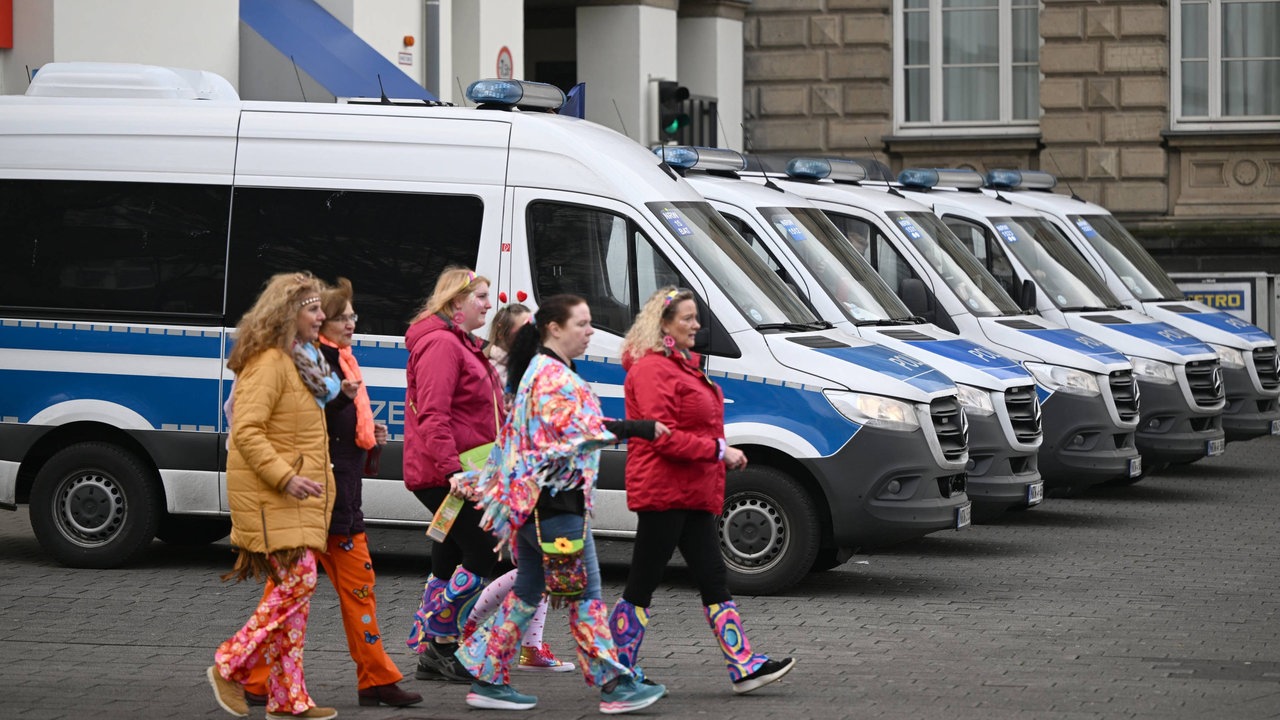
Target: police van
[1250,371]
[1179,376]
[142,209]
[801,246]
[1086,388]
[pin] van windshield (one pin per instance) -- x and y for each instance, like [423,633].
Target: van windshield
[733,266]
[1054,265]
[1132,264]
[845,276]
[959,269]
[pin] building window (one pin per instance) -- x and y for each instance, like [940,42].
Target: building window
[1228,63]
[967,65]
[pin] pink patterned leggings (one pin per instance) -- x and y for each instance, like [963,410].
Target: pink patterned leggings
[276,632]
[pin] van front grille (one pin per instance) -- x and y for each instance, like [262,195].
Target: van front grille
[952,426]
[1205,379]
[1124,392]
[1264,360]
[1024,412]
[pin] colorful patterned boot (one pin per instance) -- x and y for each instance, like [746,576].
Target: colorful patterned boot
[444,619]
[627,625]
[490,651]
[589,620]
[431,593]
[727,626]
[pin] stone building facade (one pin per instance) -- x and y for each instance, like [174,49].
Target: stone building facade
[820,78]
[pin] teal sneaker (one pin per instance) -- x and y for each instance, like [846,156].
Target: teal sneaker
[498,697]
[624,694]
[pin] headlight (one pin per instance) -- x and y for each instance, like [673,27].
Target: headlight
[976,401]
[1229,357]
[873,410]
[1056,378]
[1153,371]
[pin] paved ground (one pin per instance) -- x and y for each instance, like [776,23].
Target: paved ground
[1159,600]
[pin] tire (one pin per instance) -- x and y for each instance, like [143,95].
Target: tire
[94,505]
[186,530]
[768,531]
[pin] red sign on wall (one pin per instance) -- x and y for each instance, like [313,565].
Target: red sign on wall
[6,23]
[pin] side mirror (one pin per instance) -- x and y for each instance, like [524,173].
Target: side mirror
[1027,298]
[915,296]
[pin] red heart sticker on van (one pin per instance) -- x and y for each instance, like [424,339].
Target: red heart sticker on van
[521,295]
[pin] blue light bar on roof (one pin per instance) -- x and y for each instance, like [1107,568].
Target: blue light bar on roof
[940,177]
[686,157]
[515,93]
[1021,180]
[822,168]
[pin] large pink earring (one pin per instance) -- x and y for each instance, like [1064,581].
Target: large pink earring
[458,317]
[669,341]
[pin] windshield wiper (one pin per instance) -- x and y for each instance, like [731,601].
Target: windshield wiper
[796,327]
[1087,308]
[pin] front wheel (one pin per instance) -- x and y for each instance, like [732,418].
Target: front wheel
[93,505]
[768,531]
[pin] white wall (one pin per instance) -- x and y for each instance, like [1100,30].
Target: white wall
[198,34]
[385,23]
[710,61]
[622,52]
[32,44]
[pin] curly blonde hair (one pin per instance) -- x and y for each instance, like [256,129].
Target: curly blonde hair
[453,284]
[273,319]
[646,332]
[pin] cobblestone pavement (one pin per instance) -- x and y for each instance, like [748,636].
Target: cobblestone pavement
[1158,600]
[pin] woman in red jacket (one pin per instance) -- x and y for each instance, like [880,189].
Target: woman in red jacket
[453,403]
[675,484]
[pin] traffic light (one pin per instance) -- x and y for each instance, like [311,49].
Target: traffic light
[671,115]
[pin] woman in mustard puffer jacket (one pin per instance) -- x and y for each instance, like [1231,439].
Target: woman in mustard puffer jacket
[280,487]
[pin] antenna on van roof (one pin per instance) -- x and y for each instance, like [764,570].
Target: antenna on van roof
[874,156]
[620,120]
[298,75]
[384,99]
[1070,189]
[458,81]
[29,75]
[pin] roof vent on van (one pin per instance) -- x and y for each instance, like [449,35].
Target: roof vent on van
[817,341]
[126,80]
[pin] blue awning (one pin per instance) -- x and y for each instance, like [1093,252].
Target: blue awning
[327,50]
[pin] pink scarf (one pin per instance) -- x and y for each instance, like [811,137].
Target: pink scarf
[364,411]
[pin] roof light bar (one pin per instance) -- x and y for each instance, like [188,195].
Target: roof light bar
[941,177]
[1021,180]
[822,168]
[515,93]
[687,157]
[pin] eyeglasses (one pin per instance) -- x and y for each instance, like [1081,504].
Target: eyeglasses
[344,319]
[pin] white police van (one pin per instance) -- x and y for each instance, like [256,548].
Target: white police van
[1250,371]
[1179,377]
[142,208]
[1086,388]
[801,246]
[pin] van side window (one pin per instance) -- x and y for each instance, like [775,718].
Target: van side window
[599,255]
[872,244]
[390,245]
[976,240]
[856,230]
[114,249]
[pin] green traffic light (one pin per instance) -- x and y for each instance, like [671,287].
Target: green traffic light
[674,123]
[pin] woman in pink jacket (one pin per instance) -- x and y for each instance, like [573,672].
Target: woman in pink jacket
[675,484]
[453,403]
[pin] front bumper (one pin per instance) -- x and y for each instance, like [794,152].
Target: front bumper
[999,477]
[858,480]
[1169,431]
[1249,413]
[1082,444]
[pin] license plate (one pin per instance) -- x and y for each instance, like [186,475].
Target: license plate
[1035,493]
[1215,447]
[963,514]
[1135,466]
[1275,427]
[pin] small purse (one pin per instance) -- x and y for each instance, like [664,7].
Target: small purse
[563,565]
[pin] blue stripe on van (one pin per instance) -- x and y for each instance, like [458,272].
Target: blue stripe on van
[161,401]
[1232,324]
[806,413]
[896,365]
[1079,342]
[125,339]
[975,356]
[1166,336]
